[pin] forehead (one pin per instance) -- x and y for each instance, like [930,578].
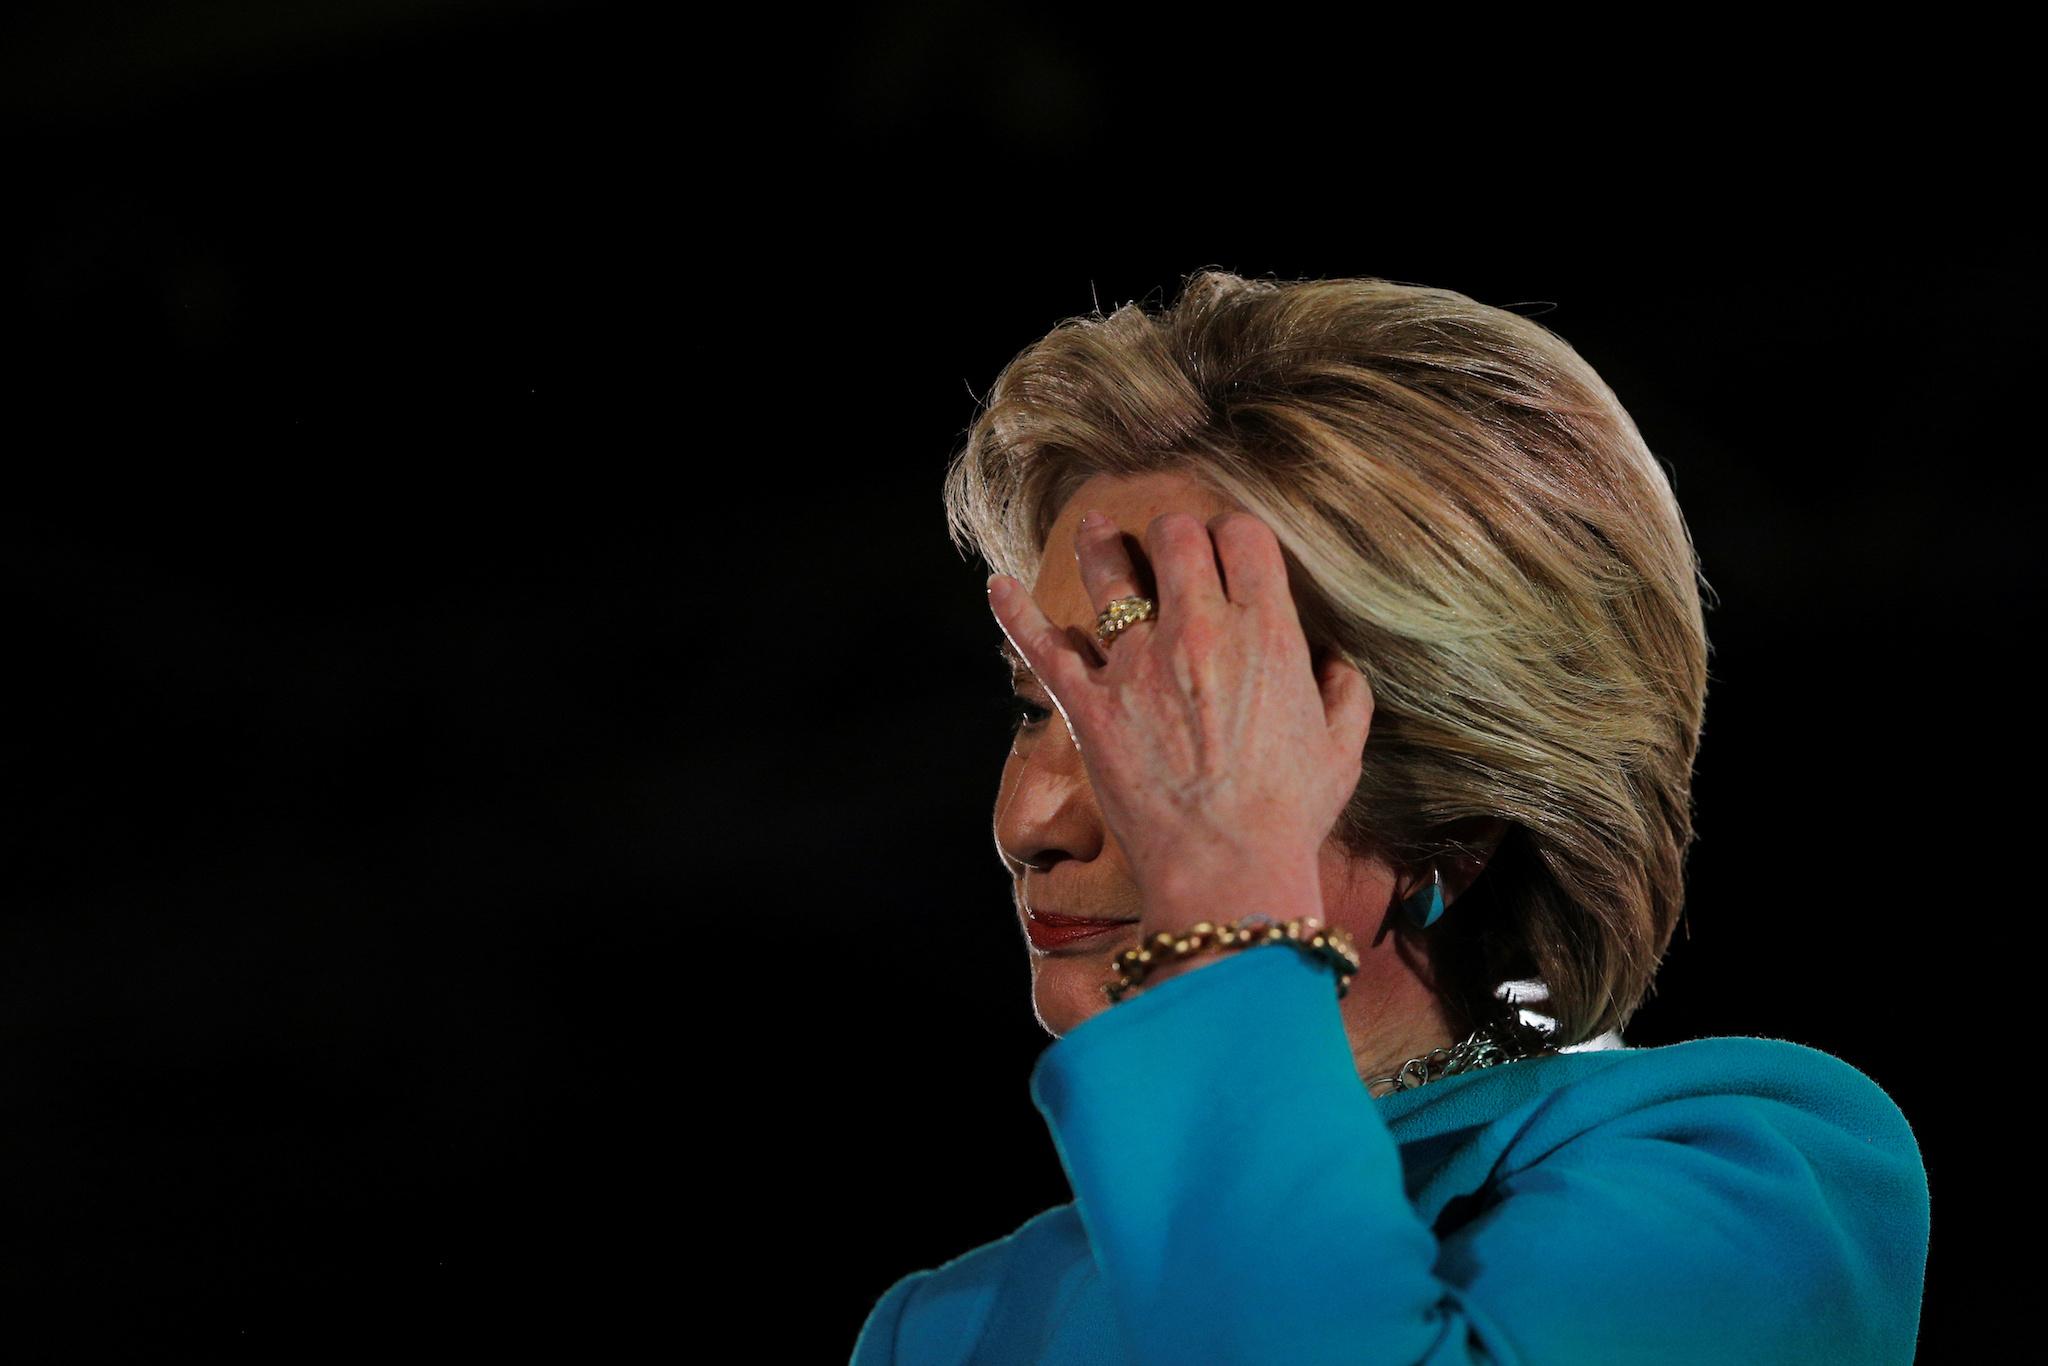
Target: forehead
[1131,501]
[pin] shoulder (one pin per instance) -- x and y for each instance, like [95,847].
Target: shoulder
[951,1303]
[1737,1074]
[1768,1189]
[1762,1105]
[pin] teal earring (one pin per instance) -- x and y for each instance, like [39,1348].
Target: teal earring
[1425,905]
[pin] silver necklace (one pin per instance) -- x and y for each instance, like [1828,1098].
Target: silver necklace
[1487,1046]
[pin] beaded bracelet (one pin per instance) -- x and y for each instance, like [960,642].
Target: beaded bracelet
[1333,946]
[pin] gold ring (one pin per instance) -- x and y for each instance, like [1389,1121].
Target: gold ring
[1122,613]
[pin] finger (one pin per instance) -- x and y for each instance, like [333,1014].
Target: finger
[1107,570]
[1052,652]
[1184,565]
[1254,568]
[1347,704]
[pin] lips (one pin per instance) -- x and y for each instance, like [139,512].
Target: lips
[1049,932]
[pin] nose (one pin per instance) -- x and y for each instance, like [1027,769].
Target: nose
[1045,809]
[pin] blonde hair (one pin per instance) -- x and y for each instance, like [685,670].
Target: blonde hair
[1469,517]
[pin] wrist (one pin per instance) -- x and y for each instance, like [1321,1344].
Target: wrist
[1166,954]
[1283,889]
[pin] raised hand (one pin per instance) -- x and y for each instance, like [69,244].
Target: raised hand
[1220,757]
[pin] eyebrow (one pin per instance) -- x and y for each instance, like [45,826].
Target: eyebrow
[1018,668]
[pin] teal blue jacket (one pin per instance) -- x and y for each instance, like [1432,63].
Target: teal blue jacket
[1239,1196]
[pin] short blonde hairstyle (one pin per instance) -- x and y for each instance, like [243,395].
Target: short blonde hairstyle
[1469,517]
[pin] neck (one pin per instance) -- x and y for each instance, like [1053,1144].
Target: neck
[1388,1028]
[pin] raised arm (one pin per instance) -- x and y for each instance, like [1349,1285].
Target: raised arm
[1245,1202]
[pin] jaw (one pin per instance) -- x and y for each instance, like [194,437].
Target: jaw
[1068,990]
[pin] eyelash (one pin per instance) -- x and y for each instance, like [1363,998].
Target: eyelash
[1017,707]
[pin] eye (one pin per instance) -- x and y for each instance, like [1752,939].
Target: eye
[1025,715]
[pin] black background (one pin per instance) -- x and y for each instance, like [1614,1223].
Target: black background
[498,847]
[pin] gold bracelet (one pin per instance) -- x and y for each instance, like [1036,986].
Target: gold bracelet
[1332,945]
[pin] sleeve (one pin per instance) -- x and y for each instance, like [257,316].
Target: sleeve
[1245,1202]
[876,1345]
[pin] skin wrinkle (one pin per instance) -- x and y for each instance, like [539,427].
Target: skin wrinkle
[1046,811]
[1475,522]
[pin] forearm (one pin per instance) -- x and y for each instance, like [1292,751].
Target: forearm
[1246,1201]
[1242,1195]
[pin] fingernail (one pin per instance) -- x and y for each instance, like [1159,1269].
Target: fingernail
[998,586]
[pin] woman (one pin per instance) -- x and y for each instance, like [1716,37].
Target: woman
[1362,670]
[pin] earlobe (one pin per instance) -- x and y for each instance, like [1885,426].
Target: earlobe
[1425,905]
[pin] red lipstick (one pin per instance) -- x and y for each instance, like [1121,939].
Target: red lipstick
[1052,932]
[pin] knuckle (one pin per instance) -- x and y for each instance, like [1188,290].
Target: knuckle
[1238,522]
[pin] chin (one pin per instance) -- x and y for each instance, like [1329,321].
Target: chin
[1067,991]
